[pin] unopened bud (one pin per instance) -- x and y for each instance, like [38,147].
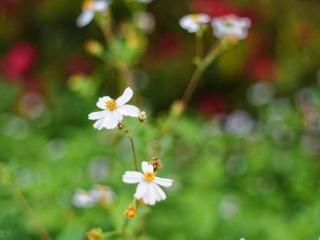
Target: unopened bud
[142,116]
[178,107]
[95,234]
[156,163]
[131,212]
[94,48]
[120,126]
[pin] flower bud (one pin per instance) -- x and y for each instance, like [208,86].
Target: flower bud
[94,48]
[131,212]
[142,116]
[156,163]
[177,108]
[95,234]
[120,126]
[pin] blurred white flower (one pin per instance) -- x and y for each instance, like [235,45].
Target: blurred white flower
[144,21]
[102,194]
[260,93]
[145,1]
[113,110]
[192,23]
[148,189]
[239,123]
[89,8]
[83,199]
[231,26]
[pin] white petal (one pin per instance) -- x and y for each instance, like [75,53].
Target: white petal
[96,115]
[101,6]
[132,177]
[129,110]
[99,124]
[110,121]
[102,102]
[165,182]
[125,97]
[141,190]
[150,196]
[146,167]
[160,193]
[85,18]
[117,115]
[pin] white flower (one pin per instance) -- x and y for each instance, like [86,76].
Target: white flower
[193,22]
[102,194]
[148,189]
[89,8]
[113,110]
[231,26]
[83,199]
[145,1]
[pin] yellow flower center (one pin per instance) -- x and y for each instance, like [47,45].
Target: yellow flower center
[149,176]
[195,17]
[87,4]
[111,105]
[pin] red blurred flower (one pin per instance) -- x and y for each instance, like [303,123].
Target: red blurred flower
[210,105]
[216,8]
[79,64]
[19,61]
[7,6]
[263,69]
[167,45]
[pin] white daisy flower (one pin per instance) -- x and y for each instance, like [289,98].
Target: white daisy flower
[193,22]
[82,199]
[148,189]
[113,110]
[231,26]
[89,8]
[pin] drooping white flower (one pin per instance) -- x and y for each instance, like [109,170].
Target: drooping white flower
[82,199]
[193,22]
[113,110]
[89,8]
[148,189]
[231,26]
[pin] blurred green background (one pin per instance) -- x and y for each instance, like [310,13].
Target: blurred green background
[244,156]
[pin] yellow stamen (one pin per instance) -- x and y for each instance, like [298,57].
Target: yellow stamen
[149,176]
[87,4]
[111,105]
[195,17]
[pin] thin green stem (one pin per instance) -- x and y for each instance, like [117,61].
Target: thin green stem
[28,209]
[135,160]
[199,46]
[201,67]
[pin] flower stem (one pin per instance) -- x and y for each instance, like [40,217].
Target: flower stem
[28,209]
[201,67]
[133,152]
[105,24]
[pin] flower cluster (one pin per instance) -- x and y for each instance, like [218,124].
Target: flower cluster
[148,189]
[228,26]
